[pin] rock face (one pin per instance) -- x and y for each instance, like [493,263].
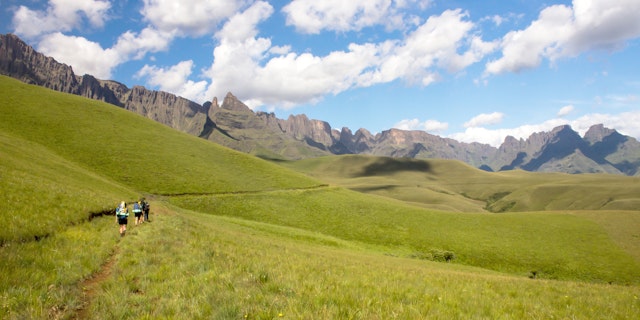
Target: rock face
[20,61]
[235,125]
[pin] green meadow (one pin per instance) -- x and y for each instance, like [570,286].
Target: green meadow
[233,236]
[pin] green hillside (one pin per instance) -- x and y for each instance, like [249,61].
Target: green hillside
[236,237]
[456,186]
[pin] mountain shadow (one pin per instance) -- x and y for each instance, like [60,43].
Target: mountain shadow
[385,166]
[519,160]
[564,144]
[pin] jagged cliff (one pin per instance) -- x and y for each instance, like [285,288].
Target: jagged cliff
[235,125]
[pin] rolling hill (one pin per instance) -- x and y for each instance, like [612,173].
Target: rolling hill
[455,186]
[235,236]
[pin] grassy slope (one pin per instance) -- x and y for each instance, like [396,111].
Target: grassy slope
[191,265]
[64,157]
[132,150]
[455,186]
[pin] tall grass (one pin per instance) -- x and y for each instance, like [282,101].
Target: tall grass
[197,266]
[44,193]
[39,279]
[273,243]
[553,245]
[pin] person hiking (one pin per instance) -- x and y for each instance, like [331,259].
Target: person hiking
[122,213]
[145,209]
[137,212]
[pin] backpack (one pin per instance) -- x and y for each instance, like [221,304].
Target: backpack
[122,212]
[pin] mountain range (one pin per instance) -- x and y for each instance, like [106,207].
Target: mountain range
[233,124]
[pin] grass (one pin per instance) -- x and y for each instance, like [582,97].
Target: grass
[234,236]
[555,245]
[198,266]
[132,150]
[39,279]
[455,186]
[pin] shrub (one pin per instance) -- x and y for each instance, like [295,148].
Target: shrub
[435,255]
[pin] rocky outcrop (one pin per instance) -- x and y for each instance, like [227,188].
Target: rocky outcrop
[19,60]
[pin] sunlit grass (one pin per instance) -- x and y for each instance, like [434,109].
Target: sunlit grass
[274,243]
[39,279]
[553,245]
[129,149]
[455,186]
[199,266]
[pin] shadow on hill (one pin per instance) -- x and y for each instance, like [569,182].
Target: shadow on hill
[385,166]
[375,188]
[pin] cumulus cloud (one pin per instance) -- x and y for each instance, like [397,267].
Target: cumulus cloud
[431,126]
[193,18]
[311,16]
[47,28]
[88,57]
[484,119]
[60,16]
[565,110]
[262,74]
[564,31]
[175,79]
[432,46]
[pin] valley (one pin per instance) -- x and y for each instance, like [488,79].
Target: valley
[236,236]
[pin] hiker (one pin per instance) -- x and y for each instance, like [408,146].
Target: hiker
[121,217]
[137,212]
[145,209]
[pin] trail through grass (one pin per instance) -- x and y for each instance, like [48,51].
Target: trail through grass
[262,242]
[201,266]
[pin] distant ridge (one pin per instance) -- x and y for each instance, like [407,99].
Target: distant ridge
[234,125]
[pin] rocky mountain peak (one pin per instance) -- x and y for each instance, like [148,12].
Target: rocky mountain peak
[214,103]
[235,125]
[597,133]
[232,103]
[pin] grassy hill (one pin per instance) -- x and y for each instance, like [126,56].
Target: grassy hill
[233,236]
[456,186]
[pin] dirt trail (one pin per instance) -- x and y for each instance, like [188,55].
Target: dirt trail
[90,285]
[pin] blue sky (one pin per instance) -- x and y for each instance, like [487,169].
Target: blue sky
[474,71]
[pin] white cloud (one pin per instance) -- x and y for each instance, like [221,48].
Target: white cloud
[433,45]
[431,126]
[136,45]
[175,80]
[285,79]
[60,16]
[565,110]
[261,74]
[312,16]
[242,26]
[193,17]
[525,49]
[84,56]
[562,31]
[87,57]
[603,24]
[497,20]
[484,119]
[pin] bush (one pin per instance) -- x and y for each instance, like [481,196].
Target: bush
[435,255]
